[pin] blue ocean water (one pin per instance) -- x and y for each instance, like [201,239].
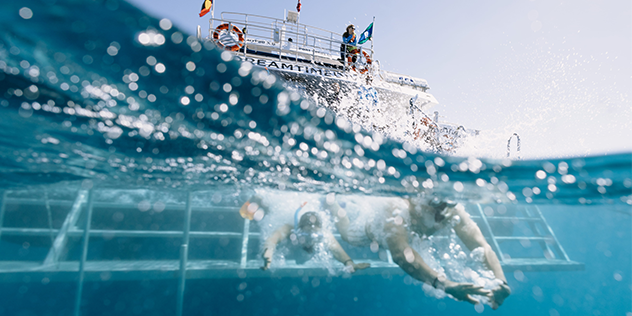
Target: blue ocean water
[84,104]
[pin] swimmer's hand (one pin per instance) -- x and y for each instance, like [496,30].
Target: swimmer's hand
[499,295]
[267,258]
[463,291]
[352,267]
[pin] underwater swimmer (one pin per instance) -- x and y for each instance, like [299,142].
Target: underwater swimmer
[390,223]
[307,231]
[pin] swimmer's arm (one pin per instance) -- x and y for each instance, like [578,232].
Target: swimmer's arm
[411,262]
[414,264]
[471,235]
[341,255]
[335,248]
[270,244]
[280,234]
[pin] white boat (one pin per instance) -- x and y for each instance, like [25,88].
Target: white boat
[313,61]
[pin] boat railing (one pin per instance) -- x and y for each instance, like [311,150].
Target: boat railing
[287,40]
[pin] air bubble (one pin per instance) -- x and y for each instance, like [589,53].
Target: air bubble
[458,186]
[165,24]
[26,13]
[160,68]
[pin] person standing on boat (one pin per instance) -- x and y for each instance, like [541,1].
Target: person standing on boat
[389,223]
[350,42]
[309,230]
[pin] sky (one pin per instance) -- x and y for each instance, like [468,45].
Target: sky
[557,73]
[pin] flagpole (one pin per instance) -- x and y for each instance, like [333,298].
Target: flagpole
[372,35]
[213,13]
[298,9]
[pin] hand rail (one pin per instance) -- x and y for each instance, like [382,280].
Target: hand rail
[289,40]
[305,26]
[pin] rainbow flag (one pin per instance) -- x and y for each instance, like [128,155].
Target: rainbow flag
[206,7]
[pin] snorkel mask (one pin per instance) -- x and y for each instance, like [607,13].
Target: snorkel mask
[440,208]
[309,240]
[307,229]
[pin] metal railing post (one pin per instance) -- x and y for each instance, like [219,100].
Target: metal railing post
[84,255]
[281,43]
[244,244]
[50,221]
[245,37]
[3,209]
[313,47]
[345,52]
[184,253]
[297,37]
[331,37]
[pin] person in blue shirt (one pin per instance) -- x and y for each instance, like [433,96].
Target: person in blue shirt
[349,47]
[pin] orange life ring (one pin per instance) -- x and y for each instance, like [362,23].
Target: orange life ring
[425,121]
[368,63]
[368,58]
[224,27]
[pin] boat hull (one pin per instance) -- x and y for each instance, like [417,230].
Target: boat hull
[329,82]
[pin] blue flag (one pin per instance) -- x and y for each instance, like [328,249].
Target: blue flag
[366,35]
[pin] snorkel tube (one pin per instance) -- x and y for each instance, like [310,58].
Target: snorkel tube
[296,217]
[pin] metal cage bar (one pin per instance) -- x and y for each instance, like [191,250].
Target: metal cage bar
[491,234]
[544,244]
[184,253]
[2,210]
[84,255]
[182,269]
[62,237]
[244,244]
[557,243]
